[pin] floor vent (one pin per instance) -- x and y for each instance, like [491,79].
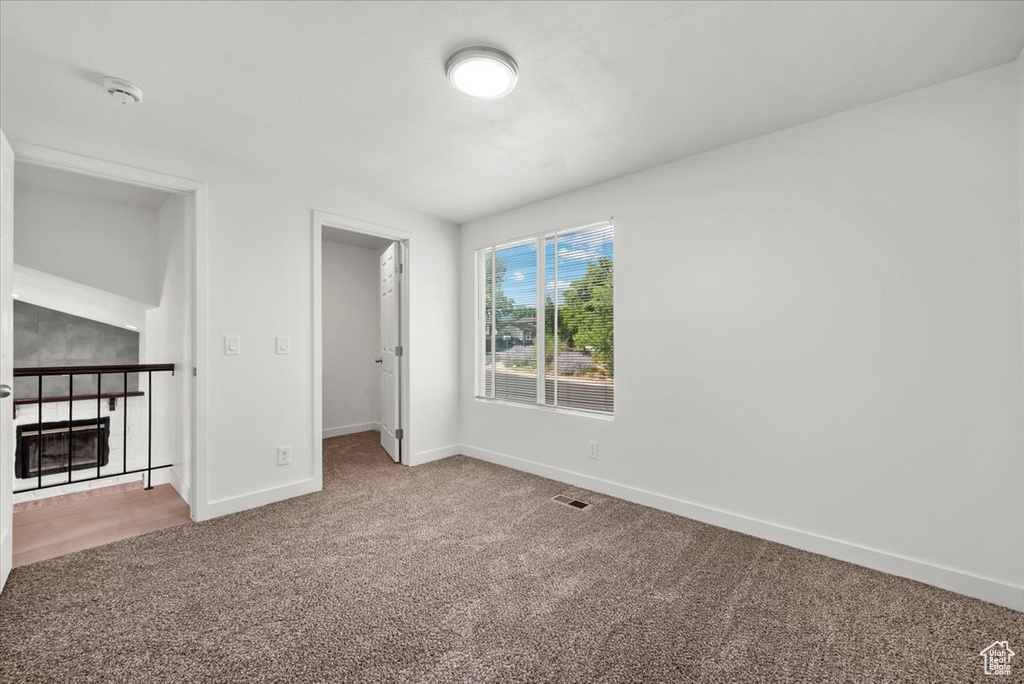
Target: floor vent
[569,501]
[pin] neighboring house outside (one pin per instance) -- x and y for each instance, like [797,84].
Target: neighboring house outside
[528,325]
[520,332]
[509,336]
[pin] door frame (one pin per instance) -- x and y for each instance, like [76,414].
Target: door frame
[322,220]
[196,234]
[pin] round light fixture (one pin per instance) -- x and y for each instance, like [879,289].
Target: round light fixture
[482,72]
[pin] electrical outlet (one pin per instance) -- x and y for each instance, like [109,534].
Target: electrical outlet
[592,450]
[284,456]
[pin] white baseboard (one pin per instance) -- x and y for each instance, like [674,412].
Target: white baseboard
[350,429]
[959,581]
[180,486]
[242,502]
[435,454]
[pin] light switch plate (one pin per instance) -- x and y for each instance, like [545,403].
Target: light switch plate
[284,345]
[232,345]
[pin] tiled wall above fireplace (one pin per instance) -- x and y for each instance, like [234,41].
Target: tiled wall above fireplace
[44,337]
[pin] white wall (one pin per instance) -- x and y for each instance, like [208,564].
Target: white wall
[54,229]
[818,339]
[260,286]
[168,339]
[53,292]
[351,328]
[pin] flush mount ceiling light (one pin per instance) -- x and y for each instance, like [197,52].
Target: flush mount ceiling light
[482,72]
[123,91]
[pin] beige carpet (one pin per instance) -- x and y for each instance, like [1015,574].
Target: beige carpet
[461,571]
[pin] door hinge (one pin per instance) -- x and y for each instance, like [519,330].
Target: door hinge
[195,372]
[398,350]
[401,268]
[399,434]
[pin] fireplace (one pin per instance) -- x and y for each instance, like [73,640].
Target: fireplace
[48,442]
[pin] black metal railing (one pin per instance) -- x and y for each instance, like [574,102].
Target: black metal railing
[99,371]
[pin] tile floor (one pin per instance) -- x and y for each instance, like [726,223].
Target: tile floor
[65,527]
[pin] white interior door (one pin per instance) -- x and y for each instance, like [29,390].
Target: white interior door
[390,351]
[6,358]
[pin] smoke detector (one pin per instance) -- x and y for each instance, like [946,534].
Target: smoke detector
[125,92]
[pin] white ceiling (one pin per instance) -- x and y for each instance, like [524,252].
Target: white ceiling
[355,92]
[43,177]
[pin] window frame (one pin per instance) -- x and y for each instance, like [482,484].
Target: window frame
[480,368]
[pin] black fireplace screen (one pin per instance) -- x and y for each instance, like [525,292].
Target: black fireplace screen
[51,441]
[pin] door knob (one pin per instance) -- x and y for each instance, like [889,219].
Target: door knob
[376,360]
[5,391]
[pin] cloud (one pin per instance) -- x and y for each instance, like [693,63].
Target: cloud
[517,276]
[563,285]
[578,254]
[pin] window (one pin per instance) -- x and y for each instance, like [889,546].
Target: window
[545,320]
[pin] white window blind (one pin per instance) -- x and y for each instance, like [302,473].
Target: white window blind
[546,320]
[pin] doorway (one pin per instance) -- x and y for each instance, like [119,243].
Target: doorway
[360,333]
[105,307]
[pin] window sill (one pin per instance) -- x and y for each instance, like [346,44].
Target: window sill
[582,413]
